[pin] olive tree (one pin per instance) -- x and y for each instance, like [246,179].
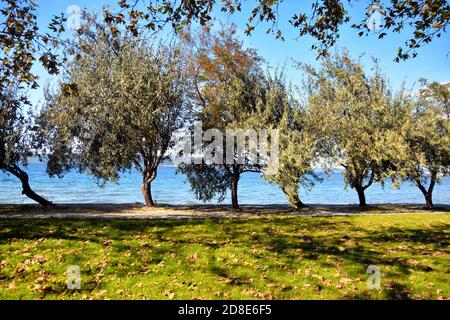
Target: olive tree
[298,147]
[359,117]
[116,107]
[22,44]
[427,159]
[227,90]
[421,20]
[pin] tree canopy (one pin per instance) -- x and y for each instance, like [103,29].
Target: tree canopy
[427,19]
[360,118]
[427,139]
[22,43]
[299,148]
[229,92]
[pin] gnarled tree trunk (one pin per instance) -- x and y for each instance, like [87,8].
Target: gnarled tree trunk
[296,203]
[358,185]
[361,196]
[291,194]
[429,200]
[26,189]
[146,187]
[428,193]
[147,193]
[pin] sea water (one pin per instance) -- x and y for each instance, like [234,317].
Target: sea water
[172,188]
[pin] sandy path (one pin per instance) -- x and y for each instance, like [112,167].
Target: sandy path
[136,211]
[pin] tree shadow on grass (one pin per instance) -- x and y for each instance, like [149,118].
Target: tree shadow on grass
[391,290]
[295,233]
[285,239]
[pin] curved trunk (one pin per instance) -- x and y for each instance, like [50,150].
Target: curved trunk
[293,198]
[297,203]
[26,189]
[361,197]
[146,187]
[428,194]
[357,181]
[429,200]
[147,193]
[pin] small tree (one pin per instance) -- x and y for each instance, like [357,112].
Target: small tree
[360,118]
[116,108]
[428,143]
[298,146]
[437,93]
[14,144]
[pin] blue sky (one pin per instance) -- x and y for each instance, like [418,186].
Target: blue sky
[433,61]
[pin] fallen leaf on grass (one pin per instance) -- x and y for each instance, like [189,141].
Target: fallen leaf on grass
[169,294]
[195,256]
[107,242]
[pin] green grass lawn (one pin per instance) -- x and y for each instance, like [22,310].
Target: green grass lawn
[254,258]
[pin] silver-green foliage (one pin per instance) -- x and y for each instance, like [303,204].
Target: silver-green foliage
[116,108]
